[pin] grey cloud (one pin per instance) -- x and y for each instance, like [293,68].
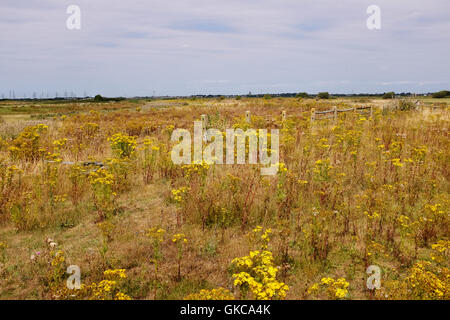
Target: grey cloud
[138,46]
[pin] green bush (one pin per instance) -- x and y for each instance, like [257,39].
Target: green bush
[302,95]
[323,95]
[389,95]
[441,94]
[406,105]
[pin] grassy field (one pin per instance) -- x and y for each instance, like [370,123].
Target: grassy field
[357,192]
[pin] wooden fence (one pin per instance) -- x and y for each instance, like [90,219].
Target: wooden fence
[204,118]
[315,115]
[333,113]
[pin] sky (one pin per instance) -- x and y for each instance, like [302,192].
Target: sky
[188,47]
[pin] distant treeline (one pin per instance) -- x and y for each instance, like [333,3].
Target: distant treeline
[320,95]
[441,94]
[59,100]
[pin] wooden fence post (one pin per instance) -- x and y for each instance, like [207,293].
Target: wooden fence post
[247,116]
[371,111]
[313,114]
[335,113]
[204,121]
[283,115]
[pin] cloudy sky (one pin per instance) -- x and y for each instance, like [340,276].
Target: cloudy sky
[184,47]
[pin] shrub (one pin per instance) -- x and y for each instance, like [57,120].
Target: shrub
[441,94]
[406,105]
[302,95]
[257,274]
[27,145]
[389,95]
[323,95]
[335,289]
[123,145]
[102,192]
[10,185]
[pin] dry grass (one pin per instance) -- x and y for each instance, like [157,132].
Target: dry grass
[342,192]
